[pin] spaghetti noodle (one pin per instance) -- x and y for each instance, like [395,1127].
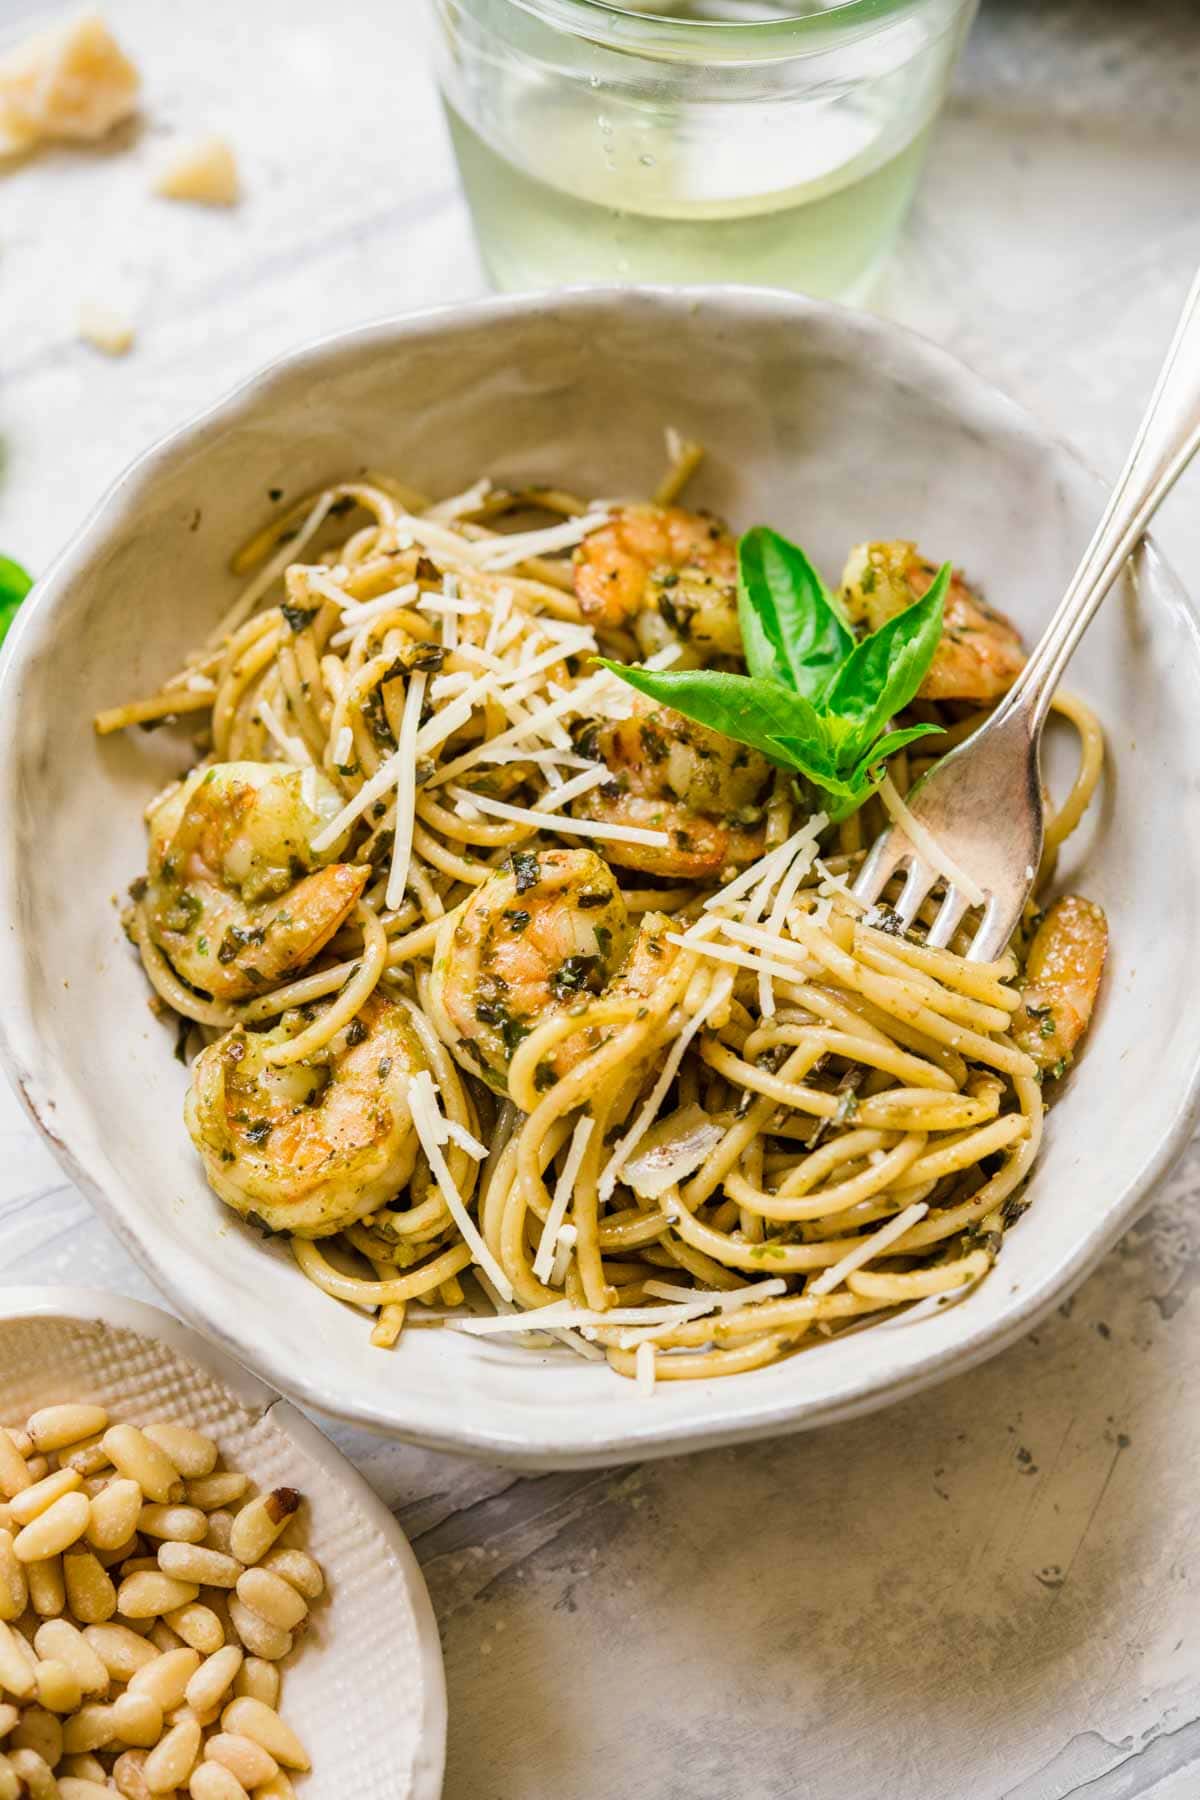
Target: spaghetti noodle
[530,1009]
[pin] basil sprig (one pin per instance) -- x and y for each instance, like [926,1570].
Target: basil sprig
[816,699]
[15,583]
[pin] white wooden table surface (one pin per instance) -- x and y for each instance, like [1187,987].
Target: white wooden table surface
[992,1590]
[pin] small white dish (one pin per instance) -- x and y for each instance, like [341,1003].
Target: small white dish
[365,1687]
[832,426]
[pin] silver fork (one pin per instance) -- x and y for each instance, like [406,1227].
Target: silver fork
[982,803]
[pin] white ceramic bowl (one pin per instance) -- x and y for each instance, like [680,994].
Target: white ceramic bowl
[365,1688]
[830,425]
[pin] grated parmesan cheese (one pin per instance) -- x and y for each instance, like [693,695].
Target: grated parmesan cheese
[524,815]
[869,1247]
[611,1173]
[565,1315]
[433,1130]
[926,845]
[406,788]
[645,1361]
[507,552]
[564,1187]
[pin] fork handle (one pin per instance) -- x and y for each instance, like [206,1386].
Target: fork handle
[1167,439]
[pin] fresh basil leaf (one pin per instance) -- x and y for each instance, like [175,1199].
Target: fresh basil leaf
[15,583]
[884,671]
[791,628]
[742,707]
[806,756]
[896,740]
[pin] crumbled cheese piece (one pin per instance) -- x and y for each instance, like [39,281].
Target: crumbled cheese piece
[73,81]
[105,329]
[203,170]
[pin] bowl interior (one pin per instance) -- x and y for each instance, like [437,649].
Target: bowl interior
[364,1688]
[831,427]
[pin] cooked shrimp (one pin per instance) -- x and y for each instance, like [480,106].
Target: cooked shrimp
[980,654]
[1063,970]
[671,774]
[549,927]
[236,897]
[309,1147]
[669,573]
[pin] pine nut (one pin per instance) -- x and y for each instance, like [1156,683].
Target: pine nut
[58,1688]
[177,1524]
[14,1585]
[214,1678]
[56,1529]
[148,1593]
[212,1781]
[8,1719]
[260,1522]
[166,1678]
[38,1466]
[90,1593]
[139,1565]
[299,1569]
[198,1626]
[34,1772]
[192,1453]
[272,1599]
[129,1775]
[258,1680]
[91,1728]
[242,1757]
[192,1562]
[138,1457]
[10,1787]
[278,1788]
[126,1552]
[47,1588]
[42,1495]
[115,1512]
[164,1639]
[14,1476]
[220,1531]
[16,1677]
[58,1639]
[84,1768]
[212,1491]
[138,1720]
[121,1650]
[250,1718]
[56,1427]
[72,1788]
[40,1732]
[171,1762]
[89,1458]
[260,1637]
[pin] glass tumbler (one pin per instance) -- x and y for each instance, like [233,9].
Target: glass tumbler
[761,141]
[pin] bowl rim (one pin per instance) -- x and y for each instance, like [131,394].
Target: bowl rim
[115,1311]
[404,1417]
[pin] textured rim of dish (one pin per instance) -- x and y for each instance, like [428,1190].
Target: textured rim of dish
[115,1311]
[149,1242]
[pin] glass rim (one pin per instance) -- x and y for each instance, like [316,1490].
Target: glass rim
[617,24]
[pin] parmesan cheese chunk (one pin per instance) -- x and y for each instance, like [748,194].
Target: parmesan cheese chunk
[104,329]
[204,170]
[73,81]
